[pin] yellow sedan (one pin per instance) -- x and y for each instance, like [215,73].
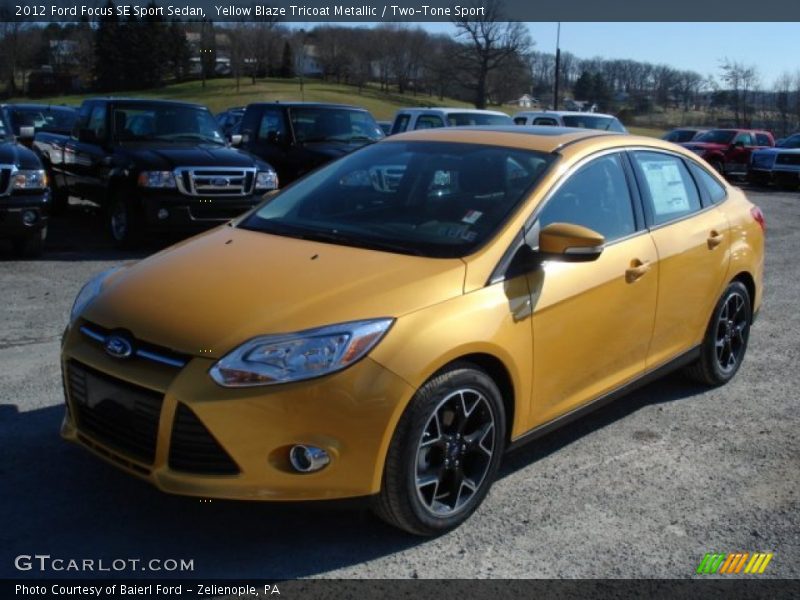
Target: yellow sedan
[388,326]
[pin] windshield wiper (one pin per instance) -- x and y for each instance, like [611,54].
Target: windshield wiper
[368,243]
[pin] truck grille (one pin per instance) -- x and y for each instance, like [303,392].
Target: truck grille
[788,159]
[215,182]
[194,450]
[5,179]
[116,413]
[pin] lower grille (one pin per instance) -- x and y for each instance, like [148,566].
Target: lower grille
[5,179]
[194,449]
[121,415]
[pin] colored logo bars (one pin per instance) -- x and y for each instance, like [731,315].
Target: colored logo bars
[734,562]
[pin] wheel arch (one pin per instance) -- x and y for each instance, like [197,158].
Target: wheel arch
[749,282]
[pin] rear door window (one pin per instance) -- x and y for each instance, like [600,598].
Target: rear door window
[669,190]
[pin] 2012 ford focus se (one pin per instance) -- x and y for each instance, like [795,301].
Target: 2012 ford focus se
[389,325]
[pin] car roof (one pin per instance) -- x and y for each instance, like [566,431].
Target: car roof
[33,106]
[543,139]
[561,113]
[444,109]
[308,105]
[146,101]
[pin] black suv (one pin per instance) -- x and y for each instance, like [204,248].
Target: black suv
[298,137]
[24,197]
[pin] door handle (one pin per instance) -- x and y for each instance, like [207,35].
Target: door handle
[714,239]
[637,269]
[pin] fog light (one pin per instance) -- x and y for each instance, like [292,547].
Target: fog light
[29,217]
[307,459]
[163,213]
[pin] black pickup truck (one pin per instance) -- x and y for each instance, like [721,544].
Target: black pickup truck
[153,166]
[298,137]
[24,197]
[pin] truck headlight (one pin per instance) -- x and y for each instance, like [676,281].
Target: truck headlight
[157,179]
[88,293]
[273,359]
[29,180]
[266,180]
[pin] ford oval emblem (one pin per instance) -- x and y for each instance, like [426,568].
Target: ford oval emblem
[220,182]
[118,347]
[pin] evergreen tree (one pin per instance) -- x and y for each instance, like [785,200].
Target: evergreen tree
[583,88]
[108,51]
[287,61]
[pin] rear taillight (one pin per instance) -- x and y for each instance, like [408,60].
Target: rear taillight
[759,217]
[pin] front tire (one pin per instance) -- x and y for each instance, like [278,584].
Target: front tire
[725,343]
[125,220]
[445,452]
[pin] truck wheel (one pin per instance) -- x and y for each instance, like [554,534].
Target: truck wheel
[718,167]
[59,197]
[31,245]
[125,221]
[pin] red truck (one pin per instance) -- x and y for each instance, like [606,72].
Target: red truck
[728,150]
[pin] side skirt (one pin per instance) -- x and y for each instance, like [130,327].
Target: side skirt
[676,363]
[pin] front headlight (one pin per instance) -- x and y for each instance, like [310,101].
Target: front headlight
[275,359]
[266,180]
[157,179]
[29,180]
[88,293]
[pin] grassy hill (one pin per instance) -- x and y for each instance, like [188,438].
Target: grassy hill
[220,94]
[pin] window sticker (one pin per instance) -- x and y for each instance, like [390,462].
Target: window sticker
[666,187]
[472,217]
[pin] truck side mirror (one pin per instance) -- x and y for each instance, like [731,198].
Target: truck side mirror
[26,133]
[236,139]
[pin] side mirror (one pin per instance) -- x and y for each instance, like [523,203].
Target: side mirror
[236,139]
[87,136]
[26,133]
[570,243]
[739,144]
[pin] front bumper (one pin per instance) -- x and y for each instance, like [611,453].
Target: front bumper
[184,213]
[14,206]
[351,414]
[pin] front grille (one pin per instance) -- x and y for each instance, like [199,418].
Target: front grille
[193,449]
[140,349]
[119,414]
[214,182]
[788,159]
[5,179]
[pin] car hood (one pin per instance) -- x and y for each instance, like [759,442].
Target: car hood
[169,156]
[706,146]
[776,150]
[15,154]
[209,294]
[331,150]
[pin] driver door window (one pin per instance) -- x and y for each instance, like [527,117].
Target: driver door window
[597,197]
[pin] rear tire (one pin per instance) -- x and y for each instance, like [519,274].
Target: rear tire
[725,343]
[445,452]
[719,167]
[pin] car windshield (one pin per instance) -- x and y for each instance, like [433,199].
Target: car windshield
[464,119]
[793,141]
[717,136]
[165,122]
[325,124]
[590,121]
[424,198]
[53,118]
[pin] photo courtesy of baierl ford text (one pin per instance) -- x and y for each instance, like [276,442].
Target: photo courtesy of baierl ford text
[455,299]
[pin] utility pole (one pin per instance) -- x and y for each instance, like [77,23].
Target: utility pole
[558,67]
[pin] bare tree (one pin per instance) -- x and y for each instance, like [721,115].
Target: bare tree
[742,80]
[488,44]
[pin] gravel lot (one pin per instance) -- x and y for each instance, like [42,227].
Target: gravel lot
[642,488]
